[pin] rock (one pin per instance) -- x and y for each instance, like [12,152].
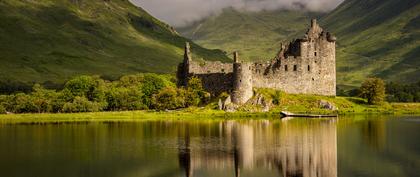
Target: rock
[327,105]
[220,104]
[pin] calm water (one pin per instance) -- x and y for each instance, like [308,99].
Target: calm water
[345,147]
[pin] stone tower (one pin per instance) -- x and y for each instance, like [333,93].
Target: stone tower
[242,81]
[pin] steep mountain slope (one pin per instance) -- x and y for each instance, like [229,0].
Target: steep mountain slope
[377,38]
[52,40]
[256,35]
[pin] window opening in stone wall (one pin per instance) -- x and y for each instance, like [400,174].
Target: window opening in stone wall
[315,53]
[240,80]
[295,68]
[285,67]
[309,68]
[223,70]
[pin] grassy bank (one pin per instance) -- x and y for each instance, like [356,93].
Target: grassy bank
[309,104]
[188,114]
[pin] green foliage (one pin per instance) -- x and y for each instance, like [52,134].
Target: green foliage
[23,103]
[152,84]
[2,109]
[373,89]
[125,98]
[274,95]
[82,104]
[403,92]
[169,98]
[93,88]
[93,94]
[195,93]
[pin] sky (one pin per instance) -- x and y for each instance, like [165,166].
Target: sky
[182,12]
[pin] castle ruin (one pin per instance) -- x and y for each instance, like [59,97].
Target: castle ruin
[304,66]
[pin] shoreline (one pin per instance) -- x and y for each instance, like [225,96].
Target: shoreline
[186,114]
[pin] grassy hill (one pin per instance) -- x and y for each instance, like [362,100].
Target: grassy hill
[53,40]
[256,35]
[375,37]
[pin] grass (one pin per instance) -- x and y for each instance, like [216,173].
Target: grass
[188,114]
[288,102]
[53,40]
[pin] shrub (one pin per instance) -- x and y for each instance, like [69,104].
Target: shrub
[23,103]
[93,88]
[169,98]
[121,98]
[82,104]
[152,84]
[373,89]
[2,109]
[195,93]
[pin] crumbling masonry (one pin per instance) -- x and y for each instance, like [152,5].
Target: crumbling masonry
[304,66]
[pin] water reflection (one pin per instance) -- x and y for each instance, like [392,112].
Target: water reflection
[291,148]
[345,147]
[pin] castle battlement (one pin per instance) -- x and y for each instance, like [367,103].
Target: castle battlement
[303,66]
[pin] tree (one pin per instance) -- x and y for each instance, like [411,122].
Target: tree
[91,87]
[82,104]
[373,89]
[43,99]
[195,93]
[169,98]
[125,98]
[152,84]
[23,103]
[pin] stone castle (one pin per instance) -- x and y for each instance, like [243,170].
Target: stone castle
[304,66]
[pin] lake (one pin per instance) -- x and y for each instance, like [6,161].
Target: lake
[371,146]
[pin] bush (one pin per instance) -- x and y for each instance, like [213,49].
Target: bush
[23,103]
[373,89]
[121,99]
[2,109]
[169,98]
[92,88]
[195,93]
[152,84]
[82,104]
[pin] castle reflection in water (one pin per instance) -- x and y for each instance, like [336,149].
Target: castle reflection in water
[291,148]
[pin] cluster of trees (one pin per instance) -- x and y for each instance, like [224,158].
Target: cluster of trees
[403,92]
[92,94]
[375,90]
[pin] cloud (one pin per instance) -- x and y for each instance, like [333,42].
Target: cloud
[182,12]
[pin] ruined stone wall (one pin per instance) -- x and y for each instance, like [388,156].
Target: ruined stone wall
[304,66]
[217,77]
[313,72]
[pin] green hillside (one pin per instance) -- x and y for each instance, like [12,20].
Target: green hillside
[52,40]
[256,35]
[377,38]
